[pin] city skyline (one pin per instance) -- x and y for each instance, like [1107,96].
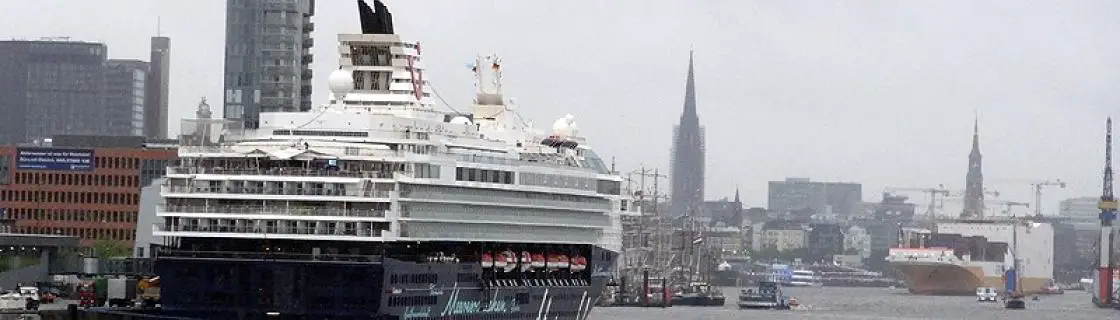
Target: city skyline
[806,94]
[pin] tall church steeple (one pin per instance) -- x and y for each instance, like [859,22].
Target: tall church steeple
[687,167]
[974,180]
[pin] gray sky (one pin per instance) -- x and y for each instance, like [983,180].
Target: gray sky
[879,92]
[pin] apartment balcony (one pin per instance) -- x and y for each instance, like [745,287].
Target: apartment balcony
[308,27]
[308,42]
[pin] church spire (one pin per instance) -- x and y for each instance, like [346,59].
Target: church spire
[690,91]
[974,180]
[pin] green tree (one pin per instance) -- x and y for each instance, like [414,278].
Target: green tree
[111,249]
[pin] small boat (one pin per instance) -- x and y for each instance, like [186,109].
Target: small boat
[986,294]
[768,295]
[1052,288]
[1015,301]
[699,294]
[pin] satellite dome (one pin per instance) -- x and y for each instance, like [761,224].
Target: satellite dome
[564,127]
[340,82]
[461,120]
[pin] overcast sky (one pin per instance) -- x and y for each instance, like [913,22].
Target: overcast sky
[878,92]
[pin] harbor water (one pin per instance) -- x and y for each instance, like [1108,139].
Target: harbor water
[876,303]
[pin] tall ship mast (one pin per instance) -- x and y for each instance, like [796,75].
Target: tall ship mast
[378,205]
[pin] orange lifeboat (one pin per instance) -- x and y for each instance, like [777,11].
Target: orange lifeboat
[538,260]
[500,261]
[563,262]
[553,261]
[487,260]
[579,263]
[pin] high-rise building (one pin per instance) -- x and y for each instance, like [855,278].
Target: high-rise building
[268,58]
[156,93]
[974,179]
[802,198]
[125,91]
[687,174]
[51,87]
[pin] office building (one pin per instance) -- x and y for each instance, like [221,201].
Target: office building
[51,87]
[91,191]
[156,89]
[125,91]
[268,58]
[802,198]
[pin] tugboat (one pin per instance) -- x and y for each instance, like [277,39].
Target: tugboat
[768,295]
[699,294]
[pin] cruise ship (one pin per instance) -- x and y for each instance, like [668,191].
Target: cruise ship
[377,205]
[960,256]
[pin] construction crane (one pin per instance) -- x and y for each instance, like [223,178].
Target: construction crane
[940,191]
[1103,295]
[1038,193]
[1008,204]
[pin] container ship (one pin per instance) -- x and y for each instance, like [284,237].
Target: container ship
[960,256]
[377,205]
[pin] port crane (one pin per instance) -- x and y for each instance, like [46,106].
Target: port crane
[1008,204]
[934,193]
[1038,193]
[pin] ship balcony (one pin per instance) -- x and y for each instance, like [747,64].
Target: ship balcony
[280,172]
[273,229]
[293,211]
[330,192]
[267,255]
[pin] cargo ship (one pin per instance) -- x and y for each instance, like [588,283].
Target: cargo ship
[378,205]
[960,256]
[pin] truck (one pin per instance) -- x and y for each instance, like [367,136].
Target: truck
[148,288]
[116,292]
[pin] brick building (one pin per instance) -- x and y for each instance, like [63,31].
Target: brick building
[91,193]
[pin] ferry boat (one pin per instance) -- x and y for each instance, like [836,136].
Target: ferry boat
[963,255]
[805,278]
[377,205]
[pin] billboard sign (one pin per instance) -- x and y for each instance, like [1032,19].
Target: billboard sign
[54,159]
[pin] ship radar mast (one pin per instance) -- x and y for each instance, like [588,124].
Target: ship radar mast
[489,101]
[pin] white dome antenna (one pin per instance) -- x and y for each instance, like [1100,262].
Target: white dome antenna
[341,82]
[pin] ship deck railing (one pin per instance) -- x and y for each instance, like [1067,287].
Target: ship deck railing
[370,231]
[279,210]
[281,191]
[268,256]
[299,172]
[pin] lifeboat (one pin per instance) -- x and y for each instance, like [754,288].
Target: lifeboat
[487,260]
[500,261]
[579,263]
[563,262]
[526,260]
[553,261]
[511,260]
[538,260]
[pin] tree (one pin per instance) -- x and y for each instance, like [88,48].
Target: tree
[111,249]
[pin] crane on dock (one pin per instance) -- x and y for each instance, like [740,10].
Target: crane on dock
[1007,205]
[1038,191]
[1103,296]
[934,193]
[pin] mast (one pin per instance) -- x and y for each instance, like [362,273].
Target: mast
[1108,214]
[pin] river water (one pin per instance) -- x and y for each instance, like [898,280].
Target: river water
[876,303]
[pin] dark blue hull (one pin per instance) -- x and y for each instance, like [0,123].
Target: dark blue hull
[375,288]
